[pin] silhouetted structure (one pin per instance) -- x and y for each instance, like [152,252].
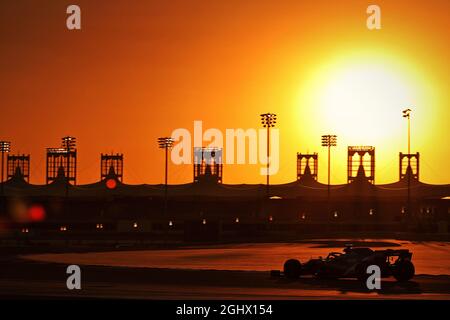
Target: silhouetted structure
[364,165]
[268,120]
[307,164]
[62,159]
[207,209]
[110,162]
[166,143]
[5,147]
[328,141]
[411,160]
[208,164]
[18,162]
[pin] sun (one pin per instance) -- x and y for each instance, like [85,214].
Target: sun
[361,99]
[359,96]
[363,102]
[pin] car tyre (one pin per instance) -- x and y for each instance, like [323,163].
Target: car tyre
[292,269]
[403,270]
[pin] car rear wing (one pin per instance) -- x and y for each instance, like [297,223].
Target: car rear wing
[401,253]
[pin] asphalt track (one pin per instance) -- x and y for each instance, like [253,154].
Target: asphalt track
[217,272]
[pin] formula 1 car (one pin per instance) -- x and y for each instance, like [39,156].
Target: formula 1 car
[353,263]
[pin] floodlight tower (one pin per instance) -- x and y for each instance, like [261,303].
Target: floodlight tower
[111,162]
[69,144]
[268,120]
[16,162]
[5,147]
[329,141]
[407,115]
[165,143]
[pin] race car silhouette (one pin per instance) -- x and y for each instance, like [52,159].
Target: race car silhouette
[353,263]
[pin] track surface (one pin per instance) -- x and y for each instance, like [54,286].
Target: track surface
[218,272]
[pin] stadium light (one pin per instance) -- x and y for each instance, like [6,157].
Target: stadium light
[5,147]
[407,114]
[268,120]
[166,143]
[328,141]
[68,145]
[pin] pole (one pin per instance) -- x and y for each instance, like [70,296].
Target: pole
[165,181]
[409,134]
[329,170]
[165,143]
[409,170]
[407,114]
[268,153]
[3,165]
[68,168]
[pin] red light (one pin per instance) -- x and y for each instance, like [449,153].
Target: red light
[111,184]
[36,212]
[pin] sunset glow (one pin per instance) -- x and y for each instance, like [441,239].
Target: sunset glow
[119,84]
[225,158]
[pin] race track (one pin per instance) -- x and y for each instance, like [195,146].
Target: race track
[219,272]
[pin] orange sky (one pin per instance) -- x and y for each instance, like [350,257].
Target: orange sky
[140,69]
